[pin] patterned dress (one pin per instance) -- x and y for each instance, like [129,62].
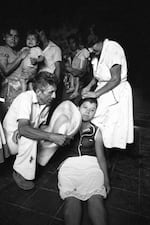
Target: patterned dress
[11,87]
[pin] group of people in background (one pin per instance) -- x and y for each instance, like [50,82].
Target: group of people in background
[91,72]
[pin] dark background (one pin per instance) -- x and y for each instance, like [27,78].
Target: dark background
[127,21]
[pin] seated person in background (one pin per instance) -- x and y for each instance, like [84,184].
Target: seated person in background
[73,81]
[31,62]
[52,54]
[76,68]
[83,174]
[23,127]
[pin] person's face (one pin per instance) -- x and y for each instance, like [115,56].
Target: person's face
[87,111]
[31,41]
[11,39]
[97,48]
[42,35]
[72,44]
[46,96]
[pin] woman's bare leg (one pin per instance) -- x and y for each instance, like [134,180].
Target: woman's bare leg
[72,211]
[96,210]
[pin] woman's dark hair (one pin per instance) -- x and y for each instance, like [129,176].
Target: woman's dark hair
[42,79]
[7,30]
[73,37]
[91,100]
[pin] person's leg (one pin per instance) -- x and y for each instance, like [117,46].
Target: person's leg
[96,210]
[72,211]
[25,163]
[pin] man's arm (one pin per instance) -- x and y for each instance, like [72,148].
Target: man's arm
[57,69]
[25,129]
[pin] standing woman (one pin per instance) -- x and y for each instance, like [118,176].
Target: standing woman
[10,60]
[114,114]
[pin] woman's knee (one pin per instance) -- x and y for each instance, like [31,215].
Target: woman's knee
[95,200]
[72,202]
[72,205]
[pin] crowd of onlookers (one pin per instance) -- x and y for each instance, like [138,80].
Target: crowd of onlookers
[43,49]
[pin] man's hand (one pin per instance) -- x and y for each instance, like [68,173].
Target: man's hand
[58,139]
[33,61]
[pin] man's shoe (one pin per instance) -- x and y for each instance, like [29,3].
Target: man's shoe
[22,182]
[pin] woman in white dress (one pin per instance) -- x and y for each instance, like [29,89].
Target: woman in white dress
[114,114]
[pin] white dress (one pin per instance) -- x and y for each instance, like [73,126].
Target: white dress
[114,114]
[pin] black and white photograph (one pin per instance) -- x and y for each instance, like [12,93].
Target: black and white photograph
[74,112]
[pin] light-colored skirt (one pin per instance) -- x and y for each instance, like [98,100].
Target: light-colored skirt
[81,177]
[114,117]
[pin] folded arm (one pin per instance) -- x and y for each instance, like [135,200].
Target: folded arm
[25,129]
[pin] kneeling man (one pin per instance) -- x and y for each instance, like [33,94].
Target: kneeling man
[23,127]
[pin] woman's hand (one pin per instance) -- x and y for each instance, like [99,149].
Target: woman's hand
[85,90]
[107,185]
[24,52]
[90,94]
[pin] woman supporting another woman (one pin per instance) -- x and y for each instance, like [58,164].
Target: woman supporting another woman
[114,114]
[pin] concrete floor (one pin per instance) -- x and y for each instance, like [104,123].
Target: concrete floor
[127,204]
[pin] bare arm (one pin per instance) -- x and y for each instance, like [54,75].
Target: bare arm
[101,158]
[26,130]
[8,68]
[89,86]
[57,70]
[78,72]
[112,83]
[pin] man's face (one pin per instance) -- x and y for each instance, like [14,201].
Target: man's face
[12,38]
[96,49]
[42,35]
[46,95]
[72,44]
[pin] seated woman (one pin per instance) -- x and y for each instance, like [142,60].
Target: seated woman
[83,174]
